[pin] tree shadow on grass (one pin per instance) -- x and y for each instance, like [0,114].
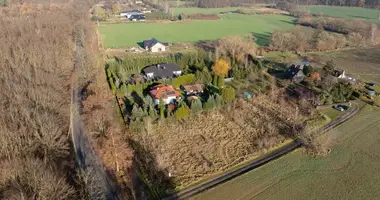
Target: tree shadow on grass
[151,181]
[262,39]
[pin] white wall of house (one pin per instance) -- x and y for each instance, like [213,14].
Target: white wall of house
[166,101]
[150,75]
[177,73]
[158,48]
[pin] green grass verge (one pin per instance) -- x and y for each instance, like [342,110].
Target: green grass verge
[129,34]
[349,172]
[195,10]
[345,12]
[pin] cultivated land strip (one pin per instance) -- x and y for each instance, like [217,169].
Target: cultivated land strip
[258,162]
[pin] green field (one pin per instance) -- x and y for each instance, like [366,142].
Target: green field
[351,171]
[194,10]
[129,34]
[345,12]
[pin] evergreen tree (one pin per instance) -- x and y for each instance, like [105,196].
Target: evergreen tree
[210,104]
[215,80]
[228,94]
[161,106]
[220,81]
[196,106]
[218,101]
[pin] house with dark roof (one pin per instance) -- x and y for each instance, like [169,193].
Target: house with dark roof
[155,45]
[295,72]
[164,92]
[162,71]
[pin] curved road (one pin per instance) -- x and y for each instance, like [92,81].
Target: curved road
[258,162]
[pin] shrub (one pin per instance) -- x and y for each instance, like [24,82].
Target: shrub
[182,112]
[196,106]
[210,104]
[228,94]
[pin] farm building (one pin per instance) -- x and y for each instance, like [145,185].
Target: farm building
[155,45]
[162,71]
[193,89]
[165,93]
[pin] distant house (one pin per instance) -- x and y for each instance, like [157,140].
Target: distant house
[162,71]
[138,2]
[155,45]
[137,17]
[339,73]
[295,74]
[193,89]
[128,14]
[165,93]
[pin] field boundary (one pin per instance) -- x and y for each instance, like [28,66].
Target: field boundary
[186,193]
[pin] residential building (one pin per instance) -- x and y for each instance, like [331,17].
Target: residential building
[128,14]
[155,45]
[193,89]
[162,71]
[295,74]
[165,93]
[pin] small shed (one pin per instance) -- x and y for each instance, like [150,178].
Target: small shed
[248,95]
[371,92]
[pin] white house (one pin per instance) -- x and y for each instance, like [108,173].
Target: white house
[155,45]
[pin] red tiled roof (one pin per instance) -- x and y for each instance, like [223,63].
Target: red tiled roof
[162,91]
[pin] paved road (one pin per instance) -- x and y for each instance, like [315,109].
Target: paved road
[256,163]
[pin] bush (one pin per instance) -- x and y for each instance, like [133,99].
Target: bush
[210,104]
[196,106]
[228,94]
[159,16]
[182,112]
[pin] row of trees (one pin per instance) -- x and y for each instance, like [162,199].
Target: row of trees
[307,39]
[181,111]
[369,31]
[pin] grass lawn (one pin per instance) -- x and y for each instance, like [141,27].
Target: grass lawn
[129,34]
[351,171]
[332,113]
[194,10]
[345,12]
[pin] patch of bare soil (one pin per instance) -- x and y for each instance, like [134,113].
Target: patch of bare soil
[210,143]
[271,10]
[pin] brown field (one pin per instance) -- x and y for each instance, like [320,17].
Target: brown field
[361,63]
[211,143]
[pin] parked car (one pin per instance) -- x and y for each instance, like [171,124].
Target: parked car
[339,108]
[344,107]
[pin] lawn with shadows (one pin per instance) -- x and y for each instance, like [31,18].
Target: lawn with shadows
[367,14]
[130,34]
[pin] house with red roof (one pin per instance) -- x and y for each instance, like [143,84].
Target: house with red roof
[164,92]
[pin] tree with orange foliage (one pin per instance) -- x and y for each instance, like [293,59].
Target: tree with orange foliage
[221,67]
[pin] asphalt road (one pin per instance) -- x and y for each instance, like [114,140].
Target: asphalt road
[257,163]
